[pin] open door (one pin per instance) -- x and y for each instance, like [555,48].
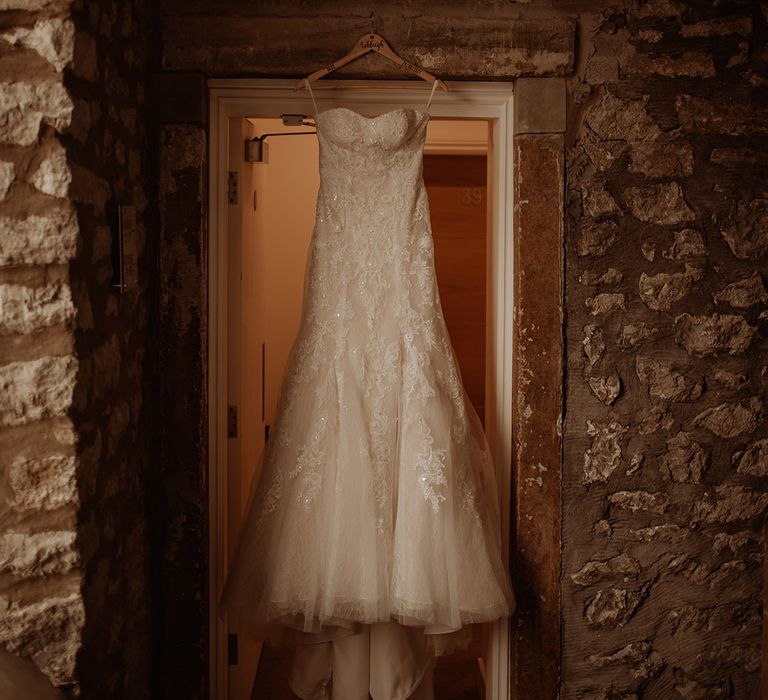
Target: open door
[246,349]
[272,207]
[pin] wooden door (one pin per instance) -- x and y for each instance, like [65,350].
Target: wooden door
[457,189]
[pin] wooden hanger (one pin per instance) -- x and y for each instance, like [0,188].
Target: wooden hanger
[373,42]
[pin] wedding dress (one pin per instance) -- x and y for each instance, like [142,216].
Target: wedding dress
[375,498]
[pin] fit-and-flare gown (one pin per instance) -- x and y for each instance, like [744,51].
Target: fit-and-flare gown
[376,497]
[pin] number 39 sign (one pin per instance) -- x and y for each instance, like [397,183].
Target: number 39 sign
[472,195]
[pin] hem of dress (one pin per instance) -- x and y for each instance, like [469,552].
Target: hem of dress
[419,681]
[324,696]
[290,628]
[296,618]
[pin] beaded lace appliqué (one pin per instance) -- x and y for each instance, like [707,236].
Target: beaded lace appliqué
[431,464]
[372,337]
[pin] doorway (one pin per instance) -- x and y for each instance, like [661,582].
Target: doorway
[467,171]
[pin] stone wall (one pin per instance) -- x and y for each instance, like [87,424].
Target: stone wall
[666,457]
[74,426]
[666,233]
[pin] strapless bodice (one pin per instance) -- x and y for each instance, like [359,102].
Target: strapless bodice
[352,142]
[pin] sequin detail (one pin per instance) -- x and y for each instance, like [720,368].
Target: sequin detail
[376,496]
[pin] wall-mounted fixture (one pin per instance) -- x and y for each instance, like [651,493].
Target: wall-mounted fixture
[122,224]
[256,148]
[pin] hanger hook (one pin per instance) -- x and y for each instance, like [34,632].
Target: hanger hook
[371,22]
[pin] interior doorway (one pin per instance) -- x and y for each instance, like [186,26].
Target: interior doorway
[261,223]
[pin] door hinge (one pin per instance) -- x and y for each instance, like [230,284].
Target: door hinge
[232,187]
[232,649]
[232,421]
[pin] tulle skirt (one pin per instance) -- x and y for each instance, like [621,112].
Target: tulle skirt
[375,498]
[322,547]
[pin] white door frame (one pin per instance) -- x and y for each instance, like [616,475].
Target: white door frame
[272,97]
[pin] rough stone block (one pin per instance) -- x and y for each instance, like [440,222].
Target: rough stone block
[593,278]
[26,309]
[633,334]
[51,37]
[613,607]
[738,157]
[648,250]
[7,172]
[688,243]
[597,201]
[539,105]
[753,460]
[729,653]
[692,64]
[651,9]
[737,119]
[744,293]
[658,204]
[720,26]
[24,106]
[604,455]
[654,502]
[35,5]
[596,239]
[36,389]
[598,569]
[664,157]
[605,302]
[728,504]
[664,382]
[26,555]
[666,532]
[710,335]
[493,46]
[731,419]
[614,119]
[593,343]
[746,229]
[729,380]
[86,56]
[87,187]
[606,389]
[43,483]
[642,660]
[635,462]
[53,175]
[39,239]
[660,291]
[684,461]
[736,541]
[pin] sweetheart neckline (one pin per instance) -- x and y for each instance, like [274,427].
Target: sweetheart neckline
[423,112]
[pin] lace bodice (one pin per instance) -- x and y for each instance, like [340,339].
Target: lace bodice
[357,144]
